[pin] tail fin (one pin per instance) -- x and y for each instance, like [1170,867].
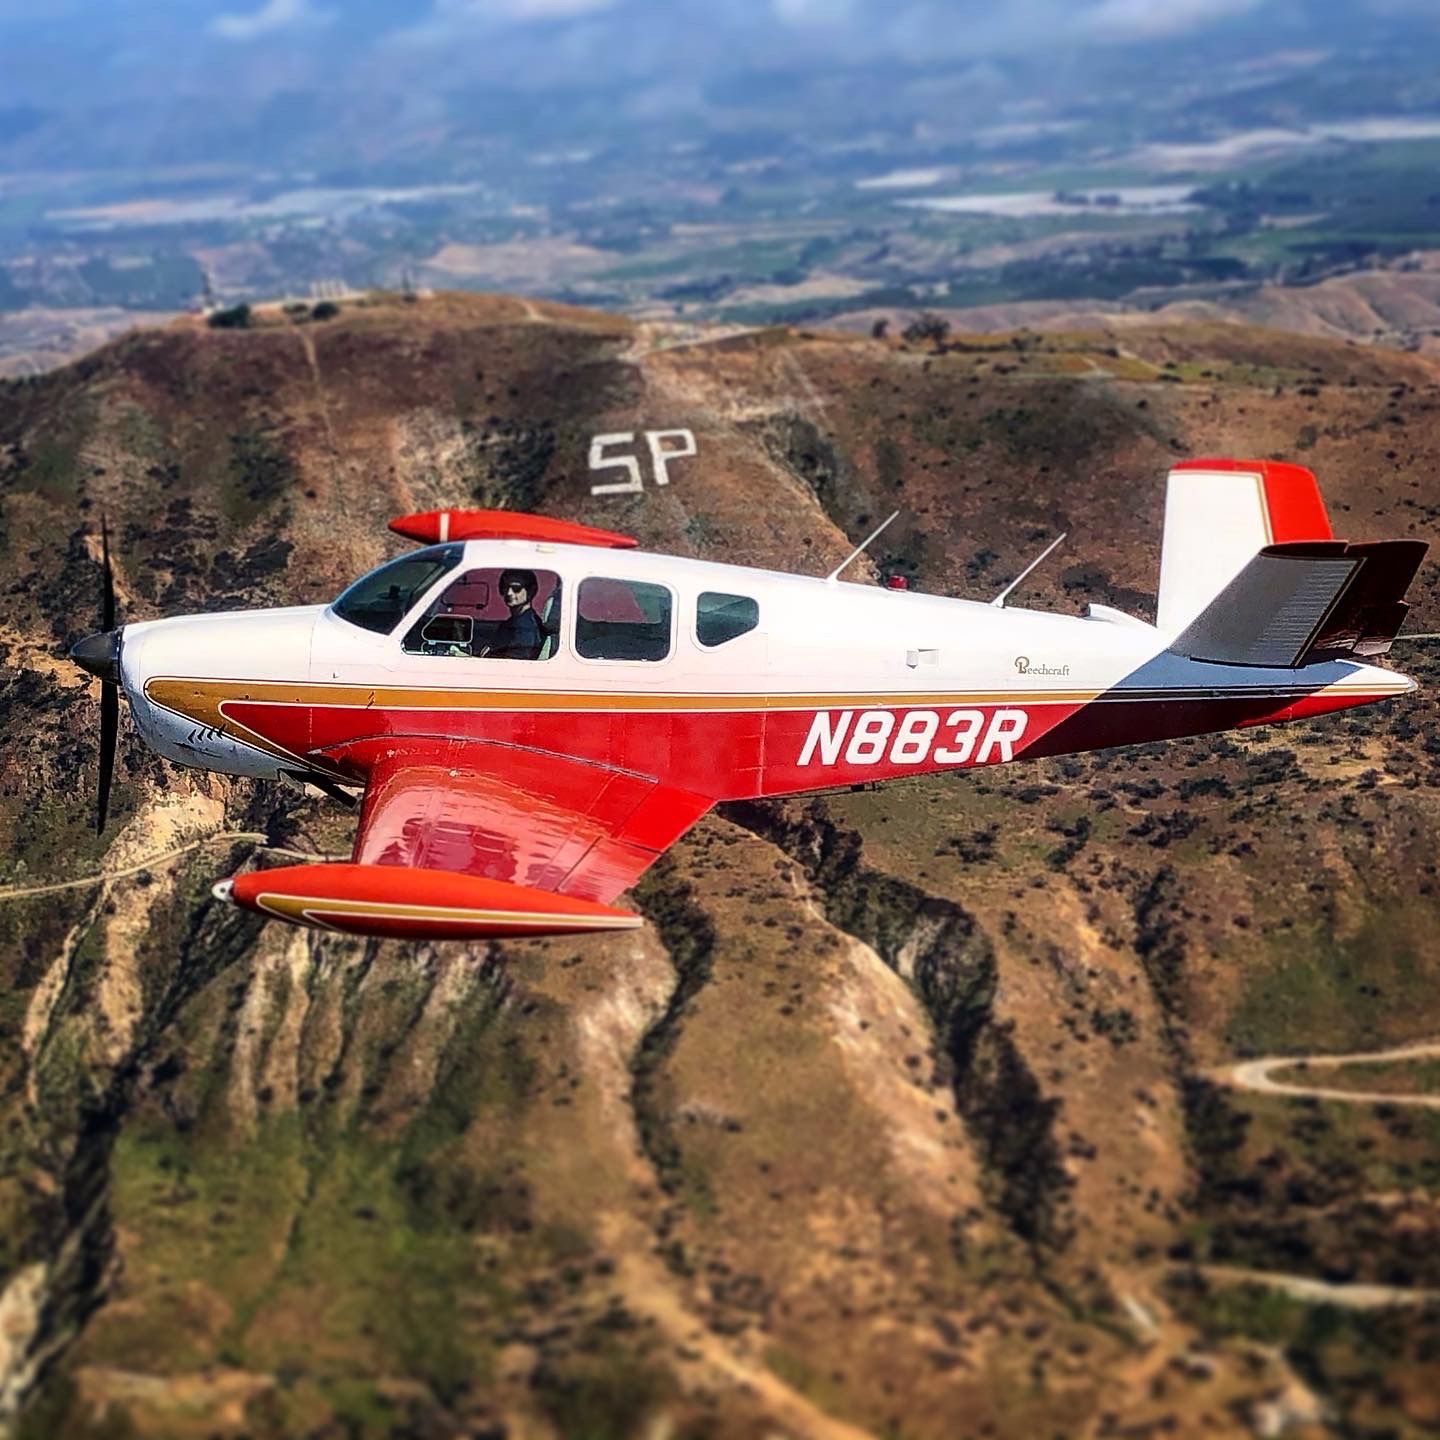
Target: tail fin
[1219,514]
[1305,601]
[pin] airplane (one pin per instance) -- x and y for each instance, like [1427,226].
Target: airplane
[536,710]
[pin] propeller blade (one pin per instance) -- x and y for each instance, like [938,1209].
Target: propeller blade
[100,654]
[107,593]
[109,734]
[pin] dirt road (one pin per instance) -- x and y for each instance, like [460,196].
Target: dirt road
[1254,1075]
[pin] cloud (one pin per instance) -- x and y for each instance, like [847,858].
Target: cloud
[813,12]
[917,31]
[519,10]
[538,43]
[272,16]
[1158,19]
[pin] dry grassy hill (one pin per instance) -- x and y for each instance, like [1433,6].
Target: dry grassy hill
[1396,304]
[903,1117]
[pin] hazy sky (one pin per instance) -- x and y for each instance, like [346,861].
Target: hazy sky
[82,34]
[157,69]
[910,30]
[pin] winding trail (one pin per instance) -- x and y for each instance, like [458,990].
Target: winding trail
[312,360]
[650,1291]
[1349,1295]
[1254,1075]
[25,892]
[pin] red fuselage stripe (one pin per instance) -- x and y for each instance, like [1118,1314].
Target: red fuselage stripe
[747,754]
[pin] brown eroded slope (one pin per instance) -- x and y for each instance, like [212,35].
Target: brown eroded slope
[893,1120]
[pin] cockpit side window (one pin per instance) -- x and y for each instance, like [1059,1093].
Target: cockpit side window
[719,618]
[622,620]
[380,600]
[494,614]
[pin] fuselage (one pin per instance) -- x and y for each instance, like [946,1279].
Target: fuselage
[832,682]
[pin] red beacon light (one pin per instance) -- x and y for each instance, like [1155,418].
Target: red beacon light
[896,582]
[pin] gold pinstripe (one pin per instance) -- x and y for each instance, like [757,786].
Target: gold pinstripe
[192,697]
[204,698]
[1264,508]
[308,909]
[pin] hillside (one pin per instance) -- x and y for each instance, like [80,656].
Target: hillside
[906,1115]
[1394,305]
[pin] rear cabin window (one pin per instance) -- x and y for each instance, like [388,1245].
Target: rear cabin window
[622,620]
[380,600]
[491,614]
[719,618]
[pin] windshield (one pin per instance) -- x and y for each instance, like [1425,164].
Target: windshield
[380,600]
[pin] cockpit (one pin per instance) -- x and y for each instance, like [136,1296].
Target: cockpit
[487,612]
[491,613]
[516,612]
[380,600]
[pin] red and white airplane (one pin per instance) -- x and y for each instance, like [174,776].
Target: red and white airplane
[536,710]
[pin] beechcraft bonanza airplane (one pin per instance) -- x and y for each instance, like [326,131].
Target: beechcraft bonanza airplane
[536,710]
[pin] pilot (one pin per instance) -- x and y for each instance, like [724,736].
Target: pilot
[519,637]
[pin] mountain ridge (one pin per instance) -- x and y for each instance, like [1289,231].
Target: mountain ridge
[897,1109]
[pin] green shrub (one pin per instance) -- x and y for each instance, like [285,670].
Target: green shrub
[237,317]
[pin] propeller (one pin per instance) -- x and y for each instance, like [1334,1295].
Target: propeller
[100,655]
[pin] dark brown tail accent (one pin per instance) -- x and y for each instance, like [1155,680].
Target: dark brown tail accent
[1297,603]
[1371,611]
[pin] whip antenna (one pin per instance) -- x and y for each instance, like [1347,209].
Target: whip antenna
[859,549]
[999,601]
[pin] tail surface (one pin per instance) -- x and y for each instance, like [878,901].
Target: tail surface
[1250,573]
[1219,514]
[1295,604]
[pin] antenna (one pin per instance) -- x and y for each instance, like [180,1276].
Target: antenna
[999,601]
[859,549]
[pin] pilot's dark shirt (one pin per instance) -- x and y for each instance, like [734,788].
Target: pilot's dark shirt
[518,638]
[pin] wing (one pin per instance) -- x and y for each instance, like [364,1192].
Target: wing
[521,816]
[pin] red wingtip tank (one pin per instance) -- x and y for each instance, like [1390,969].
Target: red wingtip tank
[434,527]
[397,902]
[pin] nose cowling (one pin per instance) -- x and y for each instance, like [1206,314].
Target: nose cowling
[176,673]
[100,655]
